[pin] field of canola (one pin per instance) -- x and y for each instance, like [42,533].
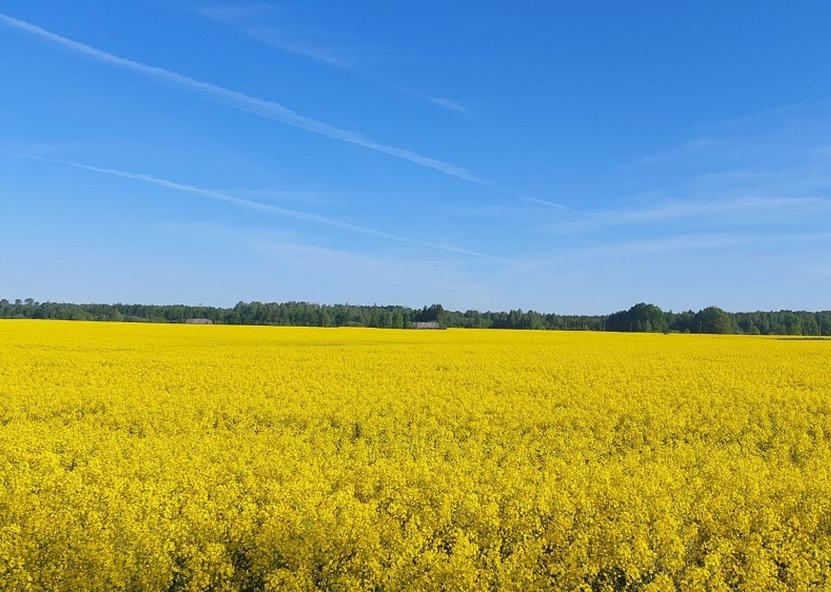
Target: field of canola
[162,458]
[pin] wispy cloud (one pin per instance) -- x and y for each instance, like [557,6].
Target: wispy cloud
[506,210]
[448,104]
[267,208]
[308,197]
[319,53]
[544,202]
[241,18]
[609,251]
[673,210]
[766,136]
[243,102]
[444,103]
[335,55]
[350,276]
[695,145]
[267,242]
[235,12]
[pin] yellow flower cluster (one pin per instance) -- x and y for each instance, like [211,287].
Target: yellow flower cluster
[170,457]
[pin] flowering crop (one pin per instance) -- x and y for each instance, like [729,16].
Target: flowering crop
[170,457]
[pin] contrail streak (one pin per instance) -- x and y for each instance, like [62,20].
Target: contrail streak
[243,102]
[266,208]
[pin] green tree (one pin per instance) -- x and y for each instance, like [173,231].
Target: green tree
[325,319]
[712,320]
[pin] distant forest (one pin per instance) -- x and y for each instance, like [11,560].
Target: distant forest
[640,318]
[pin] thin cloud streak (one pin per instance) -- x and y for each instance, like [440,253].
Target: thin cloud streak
[684,242]
[448,104]
[233,13]
[264,241]
[544,202]
[689,209]
[265,208]
[318,54]
[236,17]
[257,106]
[363,276]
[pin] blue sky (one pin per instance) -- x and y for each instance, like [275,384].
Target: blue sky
[569,157]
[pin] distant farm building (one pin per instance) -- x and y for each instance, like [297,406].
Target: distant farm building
[199,322]
[426,325]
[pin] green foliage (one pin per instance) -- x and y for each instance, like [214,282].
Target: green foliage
[713,320]
[642,317]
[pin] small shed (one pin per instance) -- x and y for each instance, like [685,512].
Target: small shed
[426,325]
[199,322]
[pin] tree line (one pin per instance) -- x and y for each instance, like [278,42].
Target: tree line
[640,318]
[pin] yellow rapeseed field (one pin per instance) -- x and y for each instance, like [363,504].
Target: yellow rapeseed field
[170,457]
